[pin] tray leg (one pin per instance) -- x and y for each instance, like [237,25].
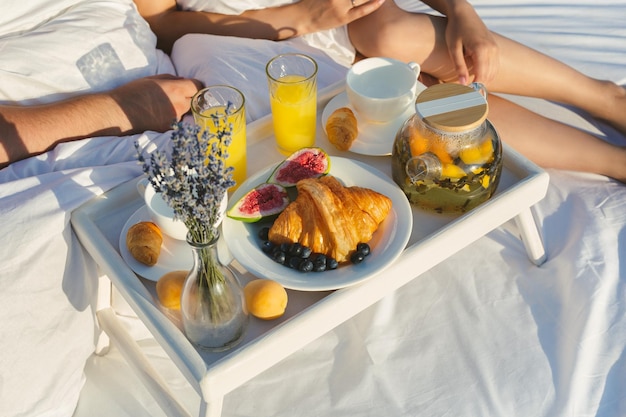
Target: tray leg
[529,234]
[212,408]
[130,350]
[105,289]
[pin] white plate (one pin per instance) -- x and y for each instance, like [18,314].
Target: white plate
[374,139]
[175,254]
[387,244]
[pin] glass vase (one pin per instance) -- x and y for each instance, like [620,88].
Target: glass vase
[213,308]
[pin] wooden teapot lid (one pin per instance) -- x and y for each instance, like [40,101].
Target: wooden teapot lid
[452,107]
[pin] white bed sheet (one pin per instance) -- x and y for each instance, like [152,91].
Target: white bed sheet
[51,50]
[484,333]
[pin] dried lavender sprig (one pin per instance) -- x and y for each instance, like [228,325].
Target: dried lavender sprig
[194,179]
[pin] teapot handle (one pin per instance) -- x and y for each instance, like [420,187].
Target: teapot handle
[480,87]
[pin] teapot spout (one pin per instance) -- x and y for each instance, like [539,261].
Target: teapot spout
[423,167]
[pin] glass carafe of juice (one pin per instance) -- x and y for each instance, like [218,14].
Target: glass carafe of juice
[448,156]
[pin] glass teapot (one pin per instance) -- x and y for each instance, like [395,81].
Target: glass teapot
[448,156]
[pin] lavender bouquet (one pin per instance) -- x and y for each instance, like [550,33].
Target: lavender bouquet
[193,180]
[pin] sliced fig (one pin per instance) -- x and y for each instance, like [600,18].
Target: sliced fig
[262,201]
[302,164]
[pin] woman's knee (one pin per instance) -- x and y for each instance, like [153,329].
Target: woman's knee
[392,32]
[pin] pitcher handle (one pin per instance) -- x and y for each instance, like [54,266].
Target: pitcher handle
[415,67]
[141,186]
[480,87]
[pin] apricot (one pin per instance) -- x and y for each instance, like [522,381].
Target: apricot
[439,148]
[169,288]
[265,298]
[417,142]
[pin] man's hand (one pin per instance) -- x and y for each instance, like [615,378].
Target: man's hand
[154,103]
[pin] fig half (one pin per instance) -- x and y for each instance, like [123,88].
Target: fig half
[262,201]
[305,163]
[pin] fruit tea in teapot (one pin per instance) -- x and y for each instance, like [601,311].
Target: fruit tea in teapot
[448,156]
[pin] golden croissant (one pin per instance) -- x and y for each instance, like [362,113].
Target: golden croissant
[341,128]
[144,241]
[330,218]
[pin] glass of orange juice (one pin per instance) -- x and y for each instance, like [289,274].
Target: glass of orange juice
[292,81]
[214,108]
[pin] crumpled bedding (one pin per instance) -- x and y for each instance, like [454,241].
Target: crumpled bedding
[484,333]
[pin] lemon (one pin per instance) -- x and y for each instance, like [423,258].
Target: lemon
[169,287]
[471,156]
[486,149]
[485,181]
[265,298]
[452,171]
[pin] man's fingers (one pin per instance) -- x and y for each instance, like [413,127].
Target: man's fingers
[197,83]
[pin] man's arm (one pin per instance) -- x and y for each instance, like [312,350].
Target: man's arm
[151,103]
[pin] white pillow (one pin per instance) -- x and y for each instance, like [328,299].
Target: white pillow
[84,46]
[21,16]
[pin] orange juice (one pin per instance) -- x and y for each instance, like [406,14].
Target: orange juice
[294,103]
[292,81]
[237,149]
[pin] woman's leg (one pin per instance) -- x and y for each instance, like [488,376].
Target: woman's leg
[552,144]
[523,71]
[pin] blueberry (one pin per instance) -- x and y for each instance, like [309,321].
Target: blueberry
[294,262]
[267,246]
[295,249]
[331,263]
[306,252]
[297,256]
[357,257]
[320,260]
[306,266]
[264,232]
[363,248]
[279,256]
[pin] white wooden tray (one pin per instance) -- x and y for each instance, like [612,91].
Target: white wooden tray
[434,238]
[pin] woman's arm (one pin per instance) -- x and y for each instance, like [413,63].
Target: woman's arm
[470,43]
[277,23]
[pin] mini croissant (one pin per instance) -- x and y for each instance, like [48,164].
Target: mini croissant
[330,218]
[143,241]
[341,128]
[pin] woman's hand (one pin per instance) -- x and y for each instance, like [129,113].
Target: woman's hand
[471,45]
[329,14]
